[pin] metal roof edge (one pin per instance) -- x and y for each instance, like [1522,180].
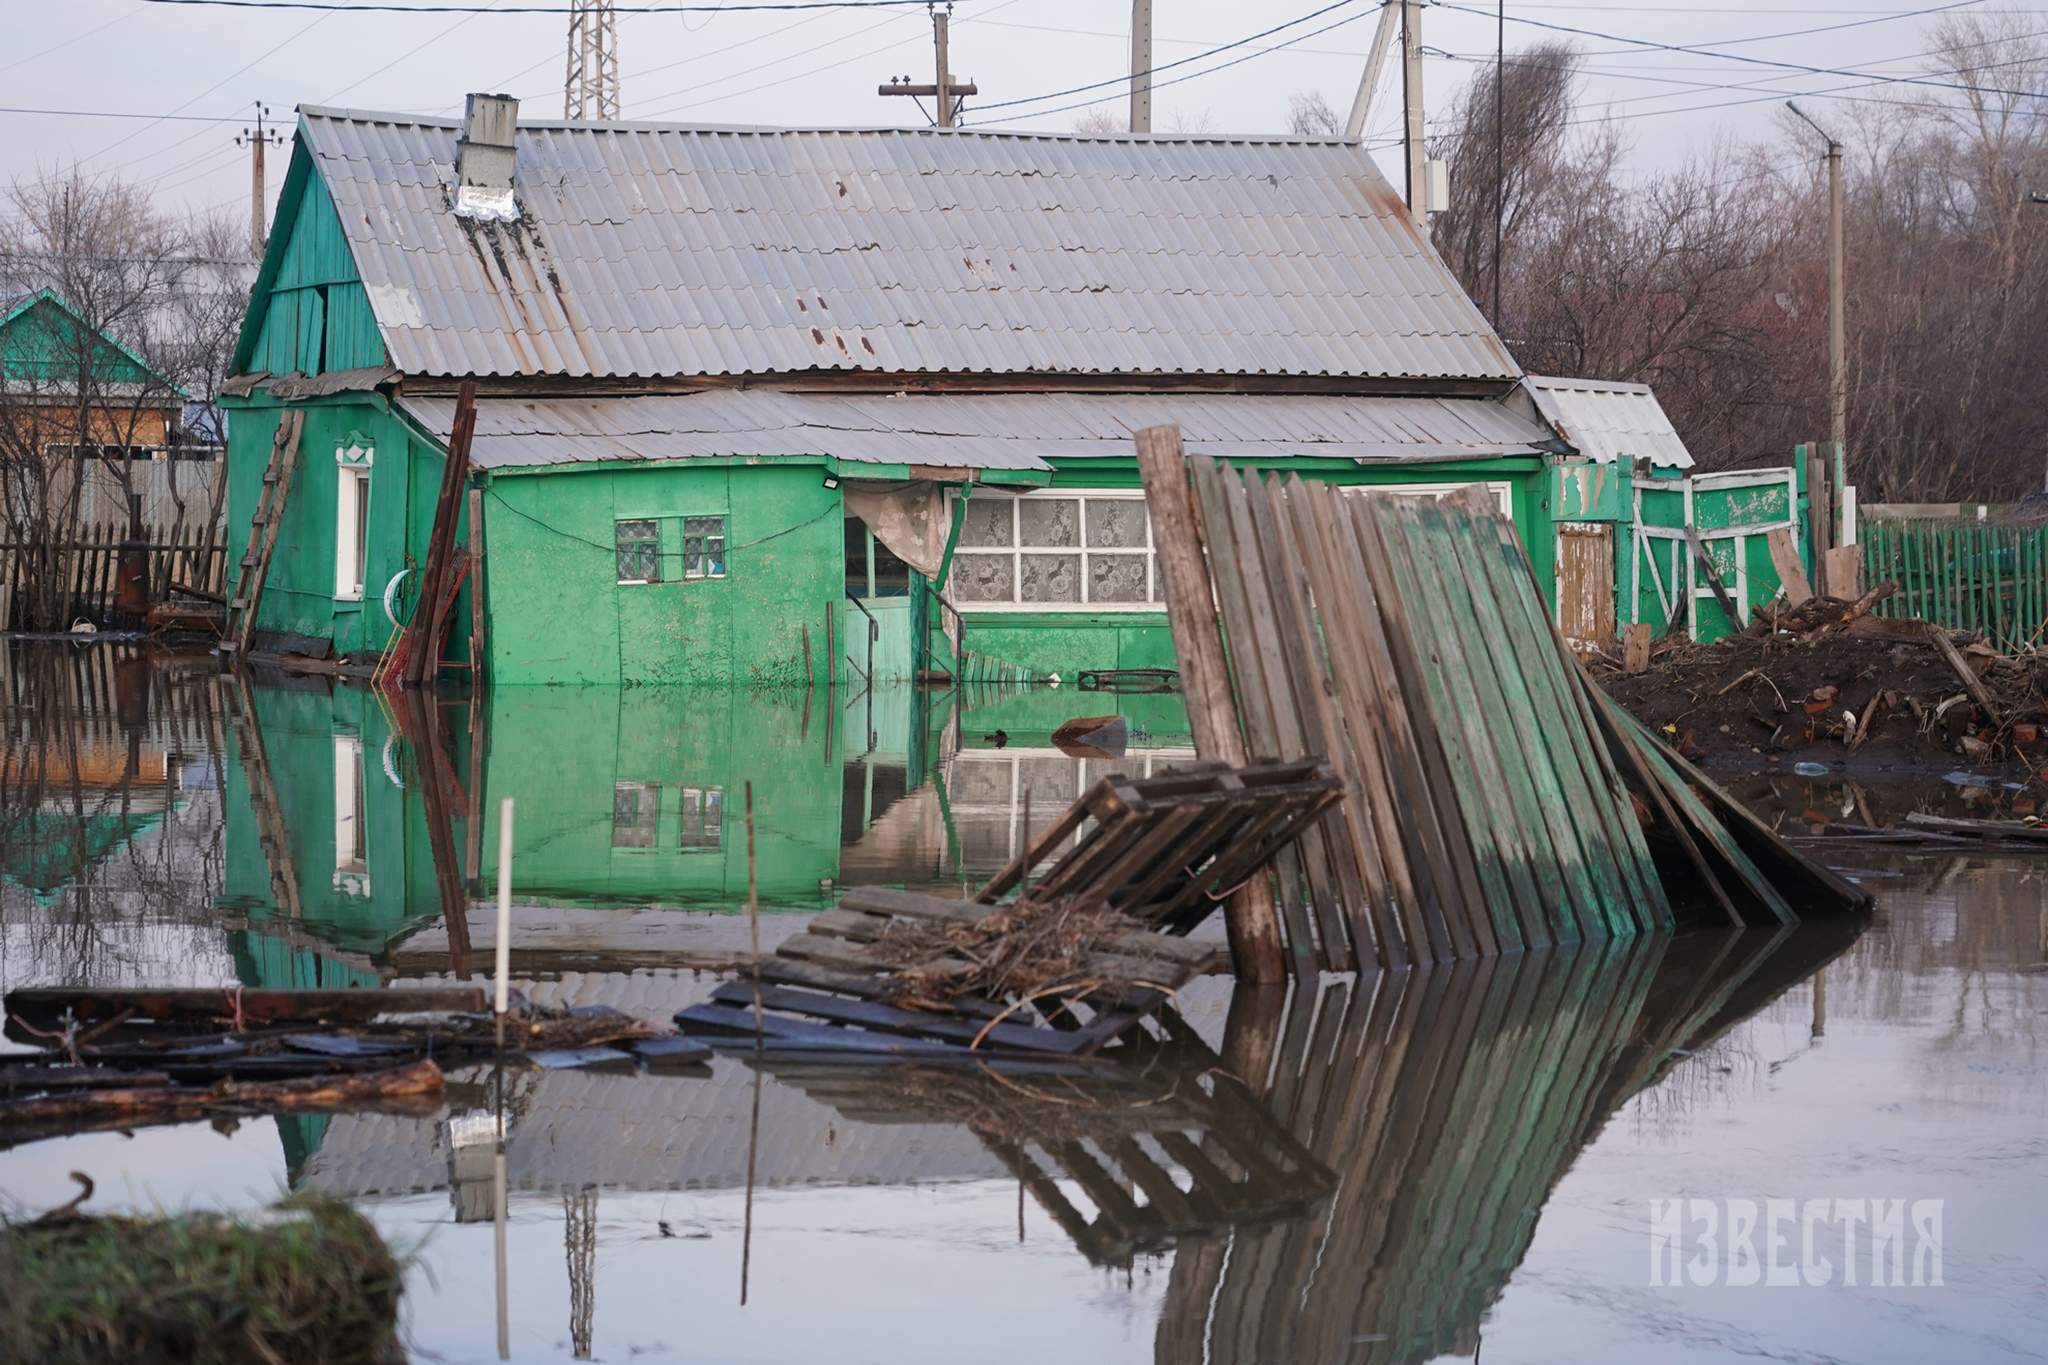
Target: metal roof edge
[454,123]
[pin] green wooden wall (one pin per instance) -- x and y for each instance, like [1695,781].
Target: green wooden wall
[308,313]
[558,613]
[405,479]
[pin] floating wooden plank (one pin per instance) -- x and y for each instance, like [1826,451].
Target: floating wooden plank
[48,1006]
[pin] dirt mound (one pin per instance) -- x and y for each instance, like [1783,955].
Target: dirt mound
[1830,683]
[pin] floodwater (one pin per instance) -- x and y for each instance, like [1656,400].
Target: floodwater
[1456,1164]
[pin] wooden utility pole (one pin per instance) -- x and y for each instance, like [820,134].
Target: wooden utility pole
[944,89]
[1417,177]
[1369,79]
[256,140]
[1838,330]
[1838,327]
[1141,66]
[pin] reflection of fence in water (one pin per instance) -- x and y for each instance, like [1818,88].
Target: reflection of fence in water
[1449,1101]
[99,695]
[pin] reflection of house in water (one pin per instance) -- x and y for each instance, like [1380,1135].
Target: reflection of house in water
[1365,1199]
[630,813]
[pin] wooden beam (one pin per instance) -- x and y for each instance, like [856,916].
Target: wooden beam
[1254,926]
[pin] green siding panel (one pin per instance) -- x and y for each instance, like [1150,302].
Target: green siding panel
[559,614]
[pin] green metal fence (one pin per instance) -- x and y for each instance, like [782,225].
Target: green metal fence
[1966,574]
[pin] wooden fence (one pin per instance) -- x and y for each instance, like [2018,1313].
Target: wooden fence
[89,568]
[1965,573]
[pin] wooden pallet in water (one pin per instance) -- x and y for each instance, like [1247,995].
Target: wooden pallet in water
[830,990]
[1169,848]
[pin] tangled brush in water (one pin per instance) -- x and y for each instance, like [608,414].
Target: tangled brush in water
[1019,951]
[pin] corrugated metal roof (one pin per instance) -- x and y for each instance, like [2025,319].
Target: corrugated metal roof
[653,250]
[976,431]
[1609,420]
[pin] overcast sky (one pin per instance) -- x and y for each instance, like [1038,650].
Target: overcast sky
[822,67]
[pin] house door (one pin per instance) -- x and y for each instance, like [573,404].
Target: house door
[1585,583]
[876,614]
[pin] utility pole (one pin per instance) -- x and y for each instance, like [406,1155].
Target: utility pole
[1369,79]
[1417,178]
[590,86]
[1838,330]
[256,140]
[1141,66]
[944,89]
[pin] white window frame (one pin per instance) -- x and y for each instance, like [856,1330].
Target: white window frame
[1499,490]
[351,835]
[351,536]
[1154,603]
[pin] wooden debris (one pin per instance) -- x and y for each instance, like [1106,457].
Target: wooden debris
[1166,849]
[1491,803]
[1635,648]
[1713,577]
[839,989]
[207,1008]
[1974,685]
[84,1109]
[1791,576]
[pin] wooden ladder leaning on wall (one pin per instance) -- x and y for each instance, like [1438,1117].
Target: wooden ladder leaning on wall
[240,626]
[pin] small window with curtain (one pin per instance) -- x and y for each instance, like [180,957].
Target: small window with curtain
[639,551]
[703,547]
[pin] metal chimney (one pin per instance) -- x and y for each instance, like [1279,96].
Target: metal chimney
[486,157]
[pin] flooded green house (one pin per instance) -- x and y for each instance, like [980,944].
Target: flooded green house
[755,404]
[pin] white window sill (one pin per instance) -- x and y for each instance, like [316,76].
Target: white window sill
[356,596]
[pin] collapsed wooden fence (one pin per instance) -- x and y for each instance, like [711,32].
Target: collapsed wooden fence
[1491,792]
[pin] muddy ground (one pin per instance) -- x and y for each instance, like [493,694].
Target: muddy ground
[1803,693]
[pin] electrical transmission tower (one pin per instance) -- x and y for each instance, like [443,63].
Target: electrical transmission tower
[591,89]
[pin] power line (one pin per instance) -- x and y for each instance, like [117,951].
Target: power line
[333,6]
[1207,71]
[1125,79]
[123,113]
[1798,67]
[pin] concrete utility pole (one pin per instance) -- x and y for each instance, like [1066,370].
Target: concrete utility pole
[1417,177]
[944,89]
[256,140]
[1369,79]
[1838,330]
[1141,66]
[590,86]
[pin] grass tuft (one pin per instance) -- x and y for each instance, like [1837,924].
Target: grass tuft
[307,1281]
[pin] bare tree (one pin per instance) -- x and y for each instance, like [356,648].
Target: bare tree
[1100,121]
[1310,115]
[1708,279]
[127,317]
